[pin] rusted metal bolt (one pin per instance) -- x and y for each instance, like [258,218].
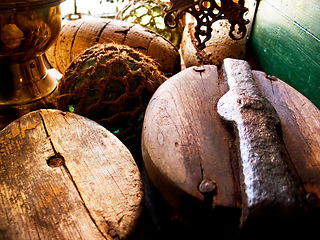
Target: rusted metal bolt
[207,186]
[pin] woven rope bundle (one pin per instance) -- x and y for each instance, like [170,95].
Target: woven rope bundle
[112,85]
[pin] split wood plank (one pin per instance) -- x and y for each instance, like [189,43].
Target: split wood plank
[66,177]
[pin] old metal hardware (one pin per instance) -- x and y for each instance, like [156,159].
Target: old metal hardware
[206,13]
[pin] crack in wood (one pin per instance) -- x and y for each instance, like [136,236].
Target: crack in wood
[125,33]
[62,164]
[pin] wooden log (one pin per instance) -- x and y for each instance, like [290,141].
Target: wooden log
[59,55]
[76,36]
[66,177]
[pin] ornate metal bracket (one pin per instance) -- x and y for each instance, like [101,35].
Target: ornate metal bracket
[206,13]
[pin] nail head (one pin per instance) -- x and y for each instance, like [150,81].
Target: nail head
[207,186]
[199,68]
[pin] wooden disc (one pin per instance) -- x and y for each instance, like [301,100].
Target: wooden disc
[186,146]
[66,177]
[190,153]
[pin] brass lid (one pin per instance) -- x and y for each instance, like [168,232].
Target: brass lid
[13,4]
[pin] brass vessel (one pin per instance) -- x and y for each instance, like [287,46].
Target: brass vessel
[27,29]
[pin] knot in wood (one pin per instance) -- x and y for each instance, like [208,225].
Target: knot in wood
[55,161]
[112,233]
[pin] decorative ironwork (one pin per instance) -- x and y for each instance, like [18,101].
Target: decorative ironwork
[206,13]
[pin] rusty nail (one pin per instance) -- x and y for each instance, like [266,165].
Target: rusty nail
[312,199]
[207,186]
[199,68]
[271,78]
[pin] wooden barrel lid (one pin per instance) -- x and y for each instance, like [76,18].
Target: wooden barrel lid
[64,176]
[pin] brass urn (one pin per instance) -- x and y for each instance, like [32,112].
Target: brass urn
[27,29]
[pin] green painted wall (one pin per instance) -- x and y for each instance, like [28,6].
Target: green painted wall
[285,41]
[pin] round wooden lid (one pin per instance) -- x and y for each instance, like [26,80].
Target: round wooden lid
[64,176]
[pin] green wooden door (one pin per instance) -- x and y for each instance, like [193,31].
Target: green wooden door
[286,42]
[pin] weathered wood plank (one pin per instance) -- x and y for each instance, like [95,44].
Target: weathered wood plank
[188,151]
[66,177]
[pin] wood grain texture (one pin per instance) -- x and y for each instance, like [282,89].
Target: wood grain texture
[300,123]
[59,59]
[66,177]
[286,42]
[184,141]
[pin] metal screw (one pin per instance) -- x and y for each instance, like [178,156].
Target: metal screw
[271,78]
[207,186]
[199,68]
